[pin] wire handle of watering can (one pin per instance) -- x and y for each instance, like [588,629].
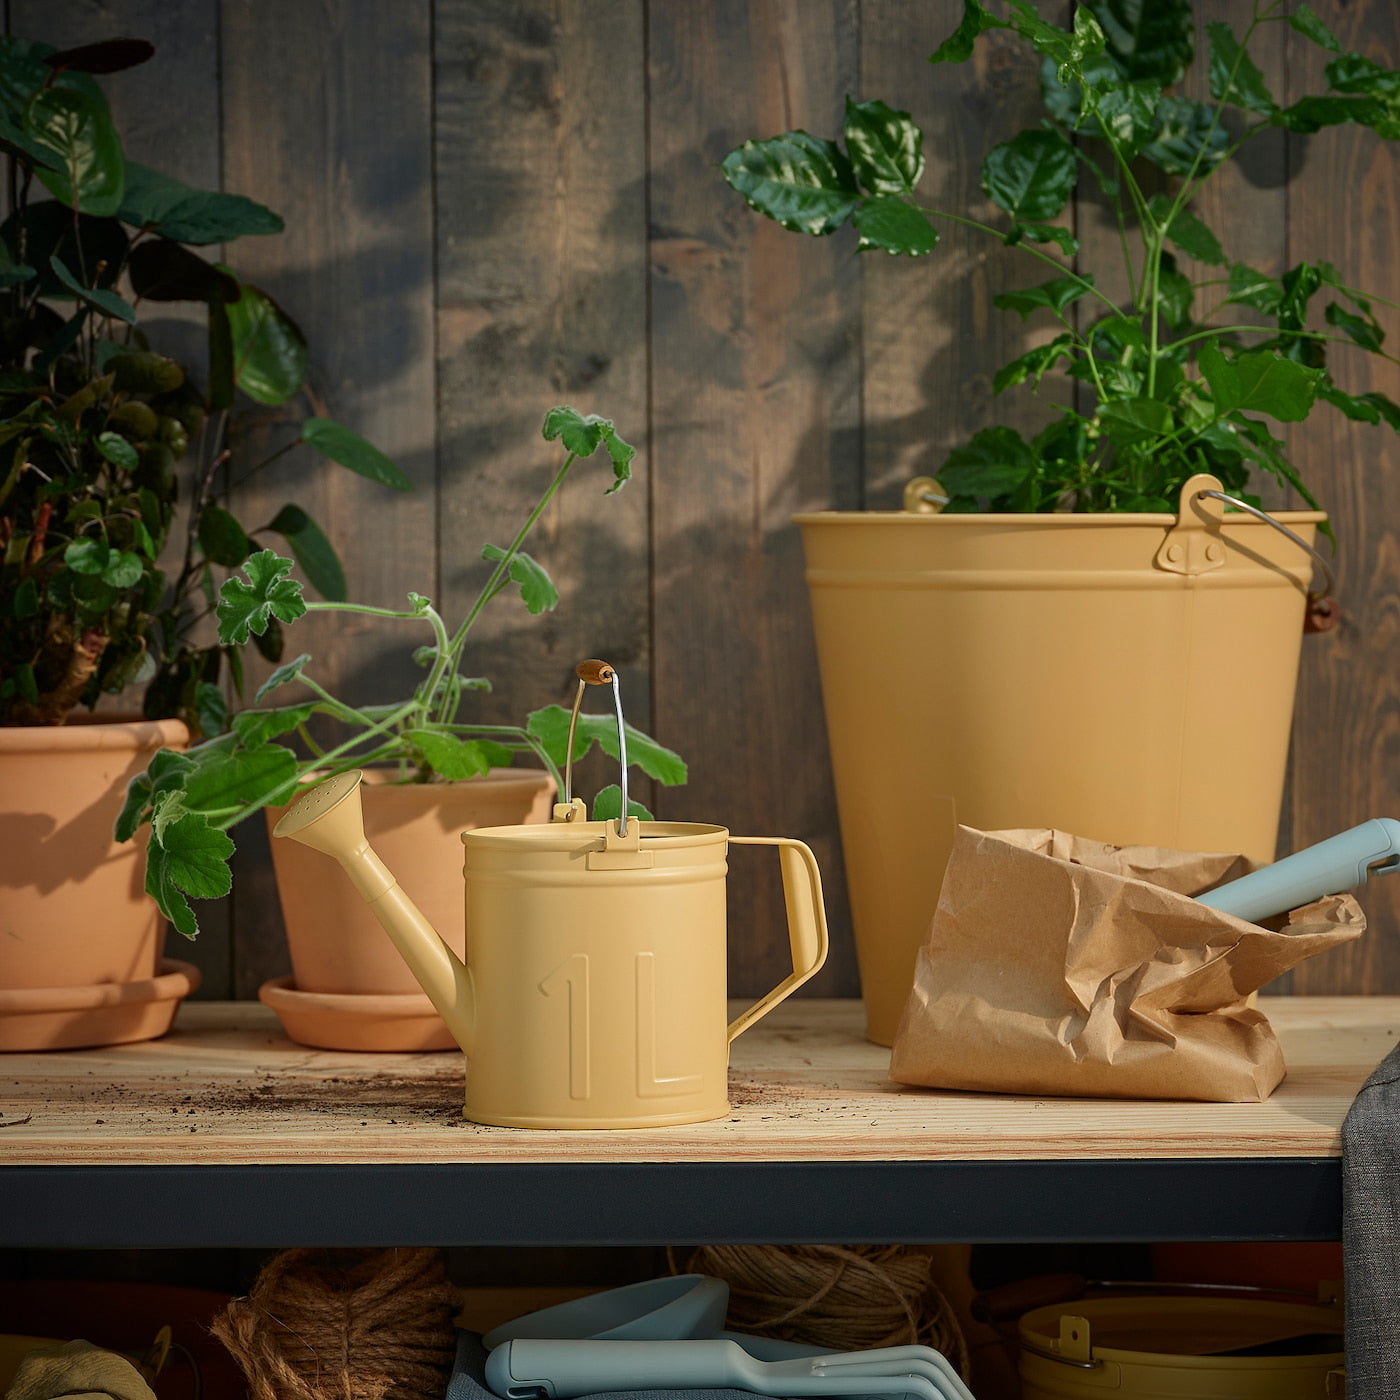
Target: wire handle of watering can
[595,672]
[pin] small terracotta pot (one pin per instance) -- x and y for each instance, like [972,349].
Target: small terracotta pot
[73,908]
[339,951]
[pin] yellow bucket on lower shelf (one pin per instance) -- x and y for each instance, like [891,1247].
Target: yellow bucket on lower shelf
[1164,1348]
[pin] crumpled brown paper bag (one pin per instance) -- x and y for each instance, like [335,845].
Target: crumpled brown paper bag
[1059,965]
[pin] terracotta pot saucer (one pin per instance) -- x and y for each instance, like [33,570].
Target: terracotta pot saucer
[103,1013]
[398,1021]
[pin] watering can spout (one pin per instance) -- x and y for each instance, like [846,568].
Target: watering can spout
[329,819]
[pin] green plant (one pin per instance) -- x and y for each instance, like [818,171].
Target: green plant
[191,799]
[1169,389]
[93,421]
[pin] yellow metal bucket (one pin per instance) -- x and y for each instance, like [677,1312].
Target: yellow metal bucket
[1155,1348]
[1075,671]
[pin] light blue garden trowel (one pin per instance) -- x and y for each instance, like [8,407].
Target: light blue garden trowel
[1339,863]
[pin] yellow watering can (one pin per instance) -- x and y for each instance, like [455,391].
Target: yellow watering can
[594,990]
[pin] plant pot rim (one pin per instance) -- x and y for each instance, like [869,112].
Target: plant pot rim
[90,732]
[173,980]
[1063,519]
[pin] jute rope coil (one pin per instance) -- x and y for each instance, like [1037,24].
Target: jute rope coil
[847,1297]
[345,1325]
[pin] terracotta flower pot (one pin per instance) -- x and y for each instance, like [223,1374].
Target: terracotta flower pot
[80,961]
[349,988]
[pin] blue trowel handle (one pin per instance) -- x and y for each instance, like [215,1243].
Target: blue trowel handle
[1339,863]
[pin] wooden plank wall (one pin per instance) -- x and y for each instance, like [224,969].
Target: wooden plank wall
[494,206]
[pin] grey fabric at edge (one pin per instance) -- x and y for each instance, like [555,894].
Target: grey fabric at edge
[1371,1235]
[469,1379]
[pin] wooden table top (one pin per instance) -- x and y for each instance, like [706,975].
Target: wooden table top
[227,1087]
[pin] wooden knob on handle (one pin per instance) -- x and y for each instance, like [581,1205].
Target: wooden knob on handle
[594,672]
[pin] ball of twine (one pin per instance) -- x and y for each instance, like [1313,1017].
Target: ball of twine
[345,1325]
[850,1297]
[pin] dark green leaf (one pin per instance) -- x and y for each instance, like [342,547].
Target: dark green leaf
[550,726]
[607,806]
[269,351]
[1186,131]
[255,727]
[248,607]
[284,674]
[312,551]
[801,181]
[1056,295]
[27,147]
[1306,22]
[164,271]
[211,709]
[1259,381]
[1354,73]
[221,389]
[104,56]
[144,372]
[118,451]
[1031,176]
[1126,113]
[79,132]
[1152,39]
[191,858]
[99,246]
[123,569]
[1251,288]
[1234,76]
[957,47]
[1189,234]
[891,225]
[109,303]
[1069,51]
[168,207]
[269,644]
[536,587]
[1129,422]
[1311,114]
[349,449]
[994,462]
[1174,293]
[26,602]
[222,538]
[1033,364]
[885,147]
[226,778]
[1043,233]
[1364,330]
[456,759]
[87,556]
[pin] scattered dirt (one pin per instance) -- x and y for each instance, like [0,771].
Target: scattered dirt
[756,1093]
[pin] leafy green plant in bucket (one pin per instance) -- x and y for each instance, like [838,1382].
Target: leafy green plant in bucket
[191,800]
[94,421]
[1175,381]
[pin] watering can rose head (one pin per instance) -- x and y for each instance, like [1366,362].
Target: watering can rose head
[1184,374]
[190,800]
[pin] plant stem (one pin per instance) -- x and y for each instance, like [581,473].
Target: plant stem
[1085,282]
[501,571]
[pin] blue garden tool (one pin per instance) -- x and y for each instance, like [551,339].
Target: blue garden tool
[1340,863]
[528,1369]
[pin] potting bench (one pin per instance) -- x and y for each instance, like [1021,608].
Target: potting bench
[225,1133]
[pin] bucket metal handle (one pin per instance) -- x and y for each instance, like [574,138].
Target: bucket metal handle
[594,672]
[1319,558]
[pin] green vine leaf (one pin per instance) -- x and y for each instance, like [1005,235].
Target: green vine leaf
[77,128]
[993,463]
[1034,364]
[890,225]
[802,182]
[1031,176]
[582,433]
[1234,76]
[189,858]
[284,675]
[346,447]
[958,46]
[1304,19]
[1189,234]
[1056,295]
[886,147]
[457,759]
[550,726]
[1153,39]
[1259,381]
[1186,130]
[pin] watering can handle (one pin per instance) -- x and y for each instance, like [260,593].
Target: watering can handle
[806,919]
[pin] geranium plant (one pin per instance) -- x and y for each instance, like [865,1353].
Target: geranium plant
[191,800]
[93,421]
[1175,382]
